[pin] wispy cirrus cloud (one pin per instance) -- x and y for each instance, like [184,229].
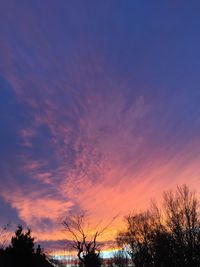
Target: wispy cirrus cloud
[93,150]
[90,126]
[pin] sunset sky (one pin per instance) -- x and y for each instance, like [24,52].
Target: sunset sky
[99,108]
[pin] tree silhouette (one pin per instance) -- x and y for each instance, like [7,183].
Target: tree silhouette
[183,222]
[88,250]
[120,259]
[138,238]
[21,252]
[170,237]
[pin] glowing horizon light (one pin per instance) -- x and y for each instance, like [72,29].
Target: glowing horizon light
[59,255]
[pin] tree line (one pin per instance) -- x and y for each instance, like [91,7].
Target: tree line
[161,236]
[166,236]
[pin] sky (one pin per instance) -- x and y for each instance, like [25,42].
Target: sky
[99,108]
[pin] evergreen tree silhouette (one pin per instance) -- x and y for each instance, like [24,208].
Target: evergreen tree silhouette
[21,252]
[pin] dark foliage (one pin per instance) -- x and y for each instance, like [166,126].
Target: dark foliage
[21,252]
[120,259]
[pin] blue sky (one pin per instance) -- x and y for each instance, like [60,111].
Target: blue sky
[99,102]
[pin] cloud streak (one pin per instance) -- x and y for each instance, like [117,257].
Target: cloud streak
[92,128]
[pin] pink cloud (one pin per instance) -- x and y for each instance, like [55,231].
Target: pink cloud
[33,207]
[105,162]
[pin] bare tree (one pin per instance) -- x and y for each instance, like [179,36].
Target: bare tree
[84,242]
[170,237]
[183,221]
[137,239]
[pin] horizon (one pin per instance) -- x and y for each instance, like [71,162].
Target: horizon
[99,110]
